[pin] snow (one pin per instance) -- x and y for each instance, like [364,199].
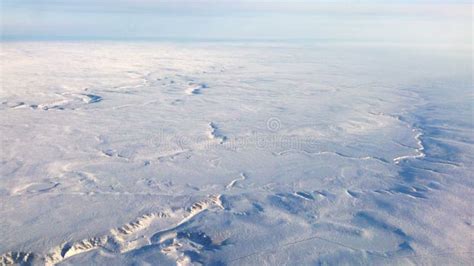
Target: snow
[235,153]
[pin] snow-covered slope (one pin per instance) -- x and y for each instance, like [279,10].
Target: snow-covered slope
[235,154]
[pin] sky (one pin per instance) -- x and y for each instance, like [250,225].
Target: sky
[441,22]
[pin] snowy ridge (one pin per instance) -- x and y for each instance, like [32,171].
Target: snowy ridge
[216,133]
[20,258]
[419,150]
[232,183]
[120,240]
[67,101]
[195,88]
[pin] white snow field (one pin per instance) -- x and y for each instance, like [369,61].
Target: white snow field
[147,153]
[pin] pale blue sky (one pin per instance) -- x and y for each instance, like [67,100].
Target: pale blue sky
[358,21]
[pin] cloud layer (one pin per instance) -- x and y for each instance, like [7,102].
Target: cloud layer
[238,20]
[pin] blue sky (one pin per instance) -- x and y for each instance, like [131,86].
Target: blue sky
[365,21]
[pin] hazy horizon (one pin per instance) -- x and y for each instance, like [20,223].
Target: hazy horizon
[419,22]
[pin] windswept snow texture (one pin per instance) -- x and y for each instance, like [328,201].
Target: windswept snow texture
[235,154]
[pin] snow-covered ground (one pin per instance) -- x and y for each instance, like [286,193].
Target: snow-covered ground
[235,154]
